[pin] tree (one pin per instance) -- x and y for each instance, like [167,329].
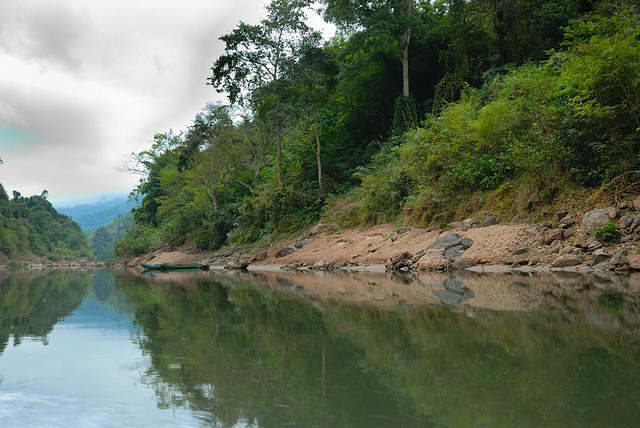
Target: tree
[313,76]
[394,18]
[255,59]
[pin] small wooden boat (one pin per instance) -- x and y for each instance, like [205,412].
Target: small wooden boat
[164,267]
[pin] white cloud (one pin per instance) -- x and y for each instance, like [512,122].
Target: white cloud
[94,80]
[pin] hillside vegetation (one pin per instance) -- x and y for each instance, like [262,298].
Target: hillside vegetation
[103,239]
[31,228]
[416,112]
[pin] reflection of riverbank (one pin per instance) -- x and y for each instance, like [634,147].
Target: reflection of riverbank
[340,349]
[607,300]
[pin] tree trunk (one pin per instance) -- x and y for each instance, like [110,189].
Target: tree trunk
[279,158]
[404,45]
[318,159]
[214,198]
[405,64]
[278,146]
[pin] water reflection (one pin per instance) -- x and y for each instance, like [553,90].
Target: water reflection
[349,349]
[271,348]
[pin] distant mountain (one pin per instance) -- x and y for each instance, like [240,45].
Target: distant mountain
[92,216]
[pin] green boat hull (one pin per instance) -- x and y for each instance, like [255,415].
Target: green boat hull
[164,267]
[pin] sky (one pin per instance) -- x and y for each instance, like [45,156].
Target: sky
[84,83]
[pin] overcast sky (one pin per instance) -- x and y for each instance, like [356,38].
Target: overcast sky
[83,83]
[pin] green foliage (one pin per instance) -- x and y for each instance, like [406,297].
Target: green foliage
[137,241]
[31,227]
[534,92]
[573,115]
[610,232]
[15,265]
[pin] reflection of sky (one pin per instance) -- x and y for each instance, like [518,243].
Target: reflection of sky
[88,375]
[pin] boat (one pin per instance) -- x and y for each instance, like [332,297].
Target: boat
[165,267]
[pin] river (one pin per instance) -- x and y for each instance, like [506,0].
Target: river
[273,349]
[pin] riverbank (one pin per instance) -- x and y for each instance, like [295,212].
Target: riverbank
[568,243]
[48,264]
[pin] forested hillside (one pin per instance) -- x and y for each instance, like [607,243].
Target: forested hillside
[31,228]
[103,239]
[413,112]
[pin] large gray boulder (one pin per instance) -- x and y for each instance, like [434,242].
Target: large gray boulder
[285,251]
[597,218]
[237,265]
[446,253]
[567,260]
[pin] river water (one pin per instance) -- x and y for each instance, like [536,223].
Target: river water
[272,349]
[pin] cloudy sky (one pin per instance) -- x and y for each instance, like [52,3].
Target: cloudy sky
[83,83]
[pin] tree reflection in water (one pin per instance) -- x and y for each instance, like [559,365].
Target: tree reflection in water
[237,349]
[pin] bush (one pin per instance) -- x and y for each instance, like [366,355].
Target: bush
[610,232]
[137,241]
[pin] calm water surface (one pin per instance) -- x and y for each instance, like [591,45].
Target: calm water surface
[271,349]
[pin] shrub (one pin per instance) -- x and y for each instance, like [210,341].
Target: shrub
[610,232]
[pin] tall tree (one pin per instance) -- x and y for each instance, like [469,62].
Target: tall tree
[255,59]
[394,18]
[314,78]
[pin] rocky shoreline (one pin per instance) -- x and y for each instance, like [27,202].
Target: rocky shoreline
[570,242]
[38,265]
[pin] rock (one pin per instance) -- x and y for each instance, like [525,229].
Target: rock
[520,251]
[402,230]
[260,256]
[285,251]
[565,250]
[625,221]
[582,241]
[445,253]
[533,262]
[301,243]
[604,266]
[546,225]
[553,235]
[323,265]
[620,258]
[568,233]
[239,265]
[634,261]
[321,228]
[468,223]
[636,203]
[567,260]
[600,256]
[597,218]
[636,223]
[399,260]
[489,220]
[562,214]
[567,222]
[593,245]
[450,240]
